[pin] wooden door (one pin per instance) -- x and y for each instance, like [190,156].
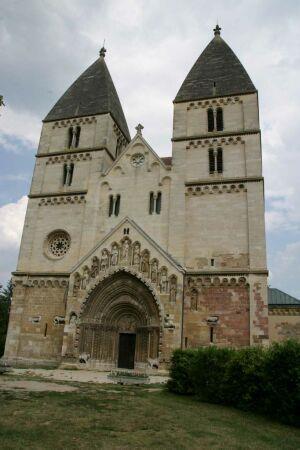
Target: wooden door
[126,350]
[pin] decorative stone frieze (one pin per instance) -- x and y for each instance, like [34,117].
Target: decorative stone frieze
[214,102]
[215,142]
[192,283]
[40,282]
[215,189]
[62,200]
[75,121]
[73,157]
[284,311]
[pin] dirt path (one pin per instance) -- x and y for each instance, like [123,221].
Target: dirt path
[82,376]
[36,386]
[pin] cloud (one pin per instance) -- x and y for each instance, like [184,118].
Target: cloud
[287,269]
[11,224]
[22,125]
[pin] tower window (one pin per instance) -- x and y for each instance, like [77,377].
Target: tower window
[158,203]
[73,137]
[220,160]
[155,203]
[111,205]
[68,171]
[210,119]
[215,160]
[70,137]
[114,205]
[211,158]
[77,136]
[151,203]
[219,119]
[117,205]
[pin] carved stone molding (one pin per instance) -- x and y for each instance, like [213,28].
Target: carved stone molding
[63,200]
[214,102]
[192,283]
[40,282]
[75,121]
[284,311]
[211,142]
[216,189]
[69,158]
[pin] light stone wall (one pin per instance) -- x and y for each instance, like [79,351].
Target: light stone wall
[216,227]
[240,114]
[284,324]
[227,227]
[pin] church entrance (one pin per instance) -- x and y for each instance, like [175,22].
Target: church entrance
[126,351]
[120,326]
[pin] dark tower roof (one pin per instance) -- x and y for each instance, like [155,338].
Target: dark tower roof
[216,73]
[92,93]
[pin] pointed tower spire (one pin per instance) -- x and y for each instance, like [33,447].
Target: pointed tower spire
[92,93]
[217,72]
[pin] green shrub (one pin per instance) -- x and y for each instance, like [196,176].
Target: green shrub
[256,379]
[209,373]
[180,373]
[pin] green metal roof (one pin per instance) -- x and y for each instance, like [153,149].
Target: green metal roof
[279,298]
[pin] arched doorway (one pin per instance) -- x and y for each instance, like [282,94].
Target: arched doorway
[119,325]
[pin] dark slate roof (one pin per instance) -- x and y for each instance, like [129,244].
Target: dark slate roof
[92,93]
[279,298]
[217,64]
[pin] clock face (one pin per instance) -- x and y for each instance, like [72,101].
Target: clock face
[138,159]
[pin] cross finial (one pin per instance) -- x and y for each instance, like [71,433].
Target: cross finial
[102,52]
[217,30]
[139,128]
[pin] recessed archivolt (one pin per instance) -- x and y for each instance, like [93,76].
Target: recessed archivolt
[121,283]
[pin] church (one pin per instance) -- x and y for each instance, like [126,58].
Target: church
[126,255]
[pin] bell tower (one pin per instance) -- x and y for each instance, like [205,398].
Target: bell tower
[218,199]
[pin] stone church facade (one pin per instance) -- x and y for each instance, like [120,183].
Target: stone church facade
[126,256]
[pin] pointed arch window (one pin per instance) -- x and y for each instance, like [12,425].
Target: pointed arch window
[158,203]
[70,137]
[111,205]
[77,136]
[117,205]
[68,171]
[151,203]
[219,119]
[220,160]
[215,160]
[155,203]
[210,119]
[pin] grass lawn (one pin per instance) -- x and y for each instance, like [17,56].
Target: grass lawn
[116,417]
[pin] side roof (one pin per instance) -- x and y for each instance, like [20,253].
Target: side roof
[92,93]
[279,298]
[217,72]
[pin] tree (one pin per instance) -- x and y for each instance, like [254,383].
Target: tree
[5,302]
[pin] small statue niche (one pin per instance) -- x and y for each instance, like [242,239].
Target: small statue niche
[126,252]
[114,255]
[154,271]
[145,263]
[163,280]
[77,283]
[85,277]
[173,288]
[194,300]
[104,260]
[136,255]
[95,267]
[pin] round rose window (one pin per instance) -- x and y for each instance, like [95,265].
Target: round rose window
[58,243]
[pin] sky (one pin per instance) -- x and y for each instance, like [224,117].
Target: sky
[151,45]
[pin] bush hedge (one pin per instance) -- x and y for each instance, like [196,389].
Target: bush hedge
[253,379]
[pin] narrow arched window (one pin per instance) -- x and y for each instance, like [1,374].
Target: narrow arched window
[65,173]
[77,136]
[70,137]
[151,203]
[211,159]
[219,119]
[117,205]
[220,160]
[158,203]
[210,119]
[71,169]
[111,205]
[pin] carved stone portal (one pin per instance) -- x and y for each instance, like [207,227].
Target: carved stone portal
[120,304]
